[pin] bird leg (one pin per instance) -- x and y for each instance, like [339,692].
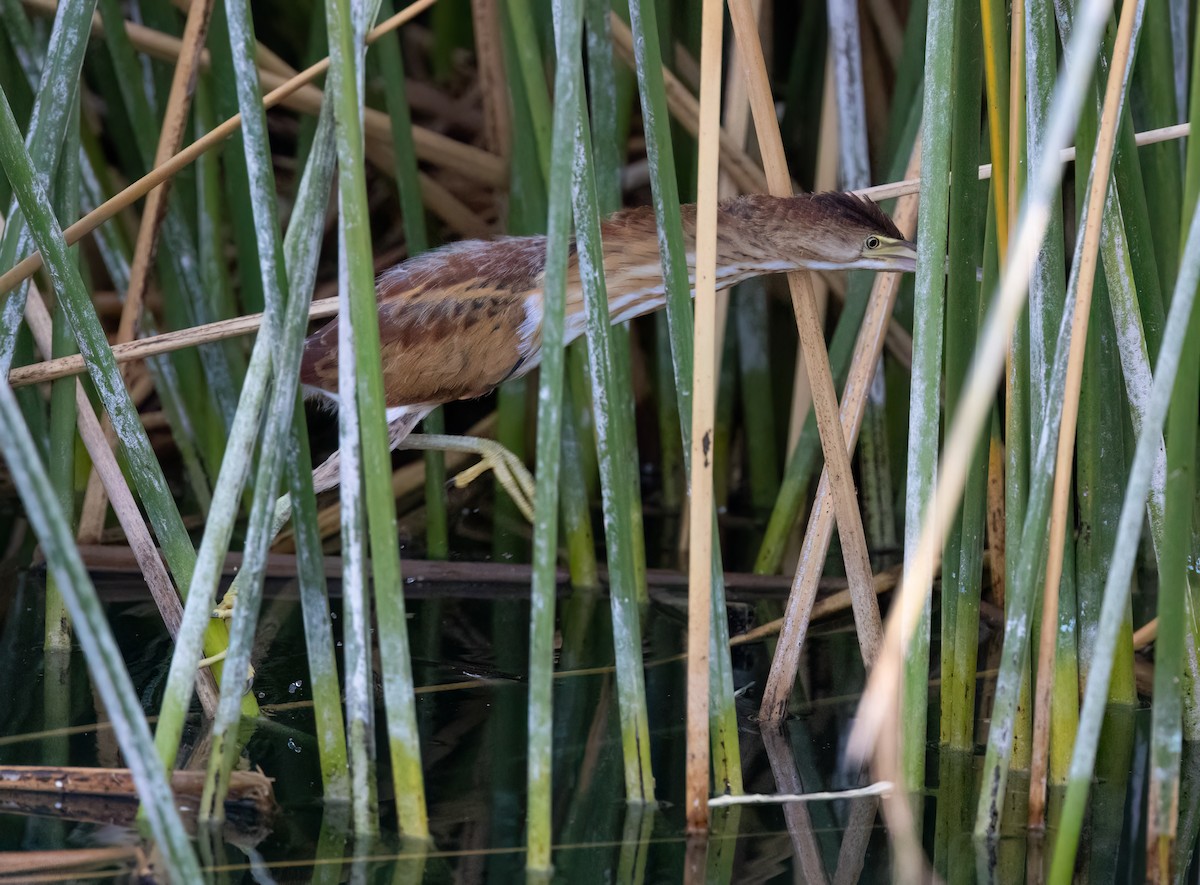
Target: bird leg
[224,610]
[510,471]
[400,424]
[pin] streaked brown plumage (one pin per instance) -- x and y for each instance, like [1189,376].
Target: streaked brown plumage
[448,322]
[456,322]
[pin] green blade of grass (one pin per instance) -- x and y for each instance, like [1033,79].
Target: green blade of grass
[47,133]
[57,630]
[617,477]
[1031,553]
[273,279]
[387,51]
[358,288]
[1179,328]
[568,31]
[961,570]
[924,400]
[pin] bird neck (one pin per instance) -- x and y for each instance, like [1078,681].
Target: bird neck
[633,268]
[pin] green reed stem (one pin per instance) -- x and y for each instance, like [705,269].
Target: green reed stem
[1047,296]
[1180,333]
[48,125]
[1174,591]
[314,603]
[526,215]
[1166,735]
[962,559]
[568,31]
[57,629]
[359,289]
[412,212]
[532,72]
[1100,447]
[274,284]
[670,456]
[618,476]
[750,315]
[1162,174]
[994,33]
[924,400]
[1018,445]
[576,514]
[580,475]
[27,53]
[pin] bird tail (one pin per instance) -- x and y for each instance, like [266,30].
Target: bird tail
[401,422]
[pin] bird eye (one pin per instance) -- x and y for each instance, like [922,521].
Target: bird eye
[873,242]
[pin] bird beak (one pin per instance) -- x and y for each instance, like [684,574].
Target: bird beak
[900,255]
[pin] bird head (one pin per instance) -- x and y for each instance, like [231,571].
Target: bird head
[830,231]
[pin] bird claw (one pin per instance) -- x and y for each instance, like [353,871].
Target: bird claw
[224,608]
[512,474]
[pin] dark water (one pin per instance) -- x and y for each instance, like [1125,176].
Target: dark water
[470,657]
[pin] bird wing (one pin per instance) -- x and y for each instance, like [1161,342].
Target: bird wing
[453,323]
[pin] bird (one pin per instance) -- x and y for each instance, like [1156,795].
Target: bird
[456,322]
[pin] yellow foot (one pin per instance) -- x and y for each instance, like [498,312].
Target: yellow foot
[224,609]
[510,472]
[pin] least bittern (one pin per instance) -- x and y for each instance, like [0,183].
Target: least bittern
[457,322]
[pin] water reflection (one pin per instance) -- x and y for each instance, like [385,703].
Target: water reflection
[472,717]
